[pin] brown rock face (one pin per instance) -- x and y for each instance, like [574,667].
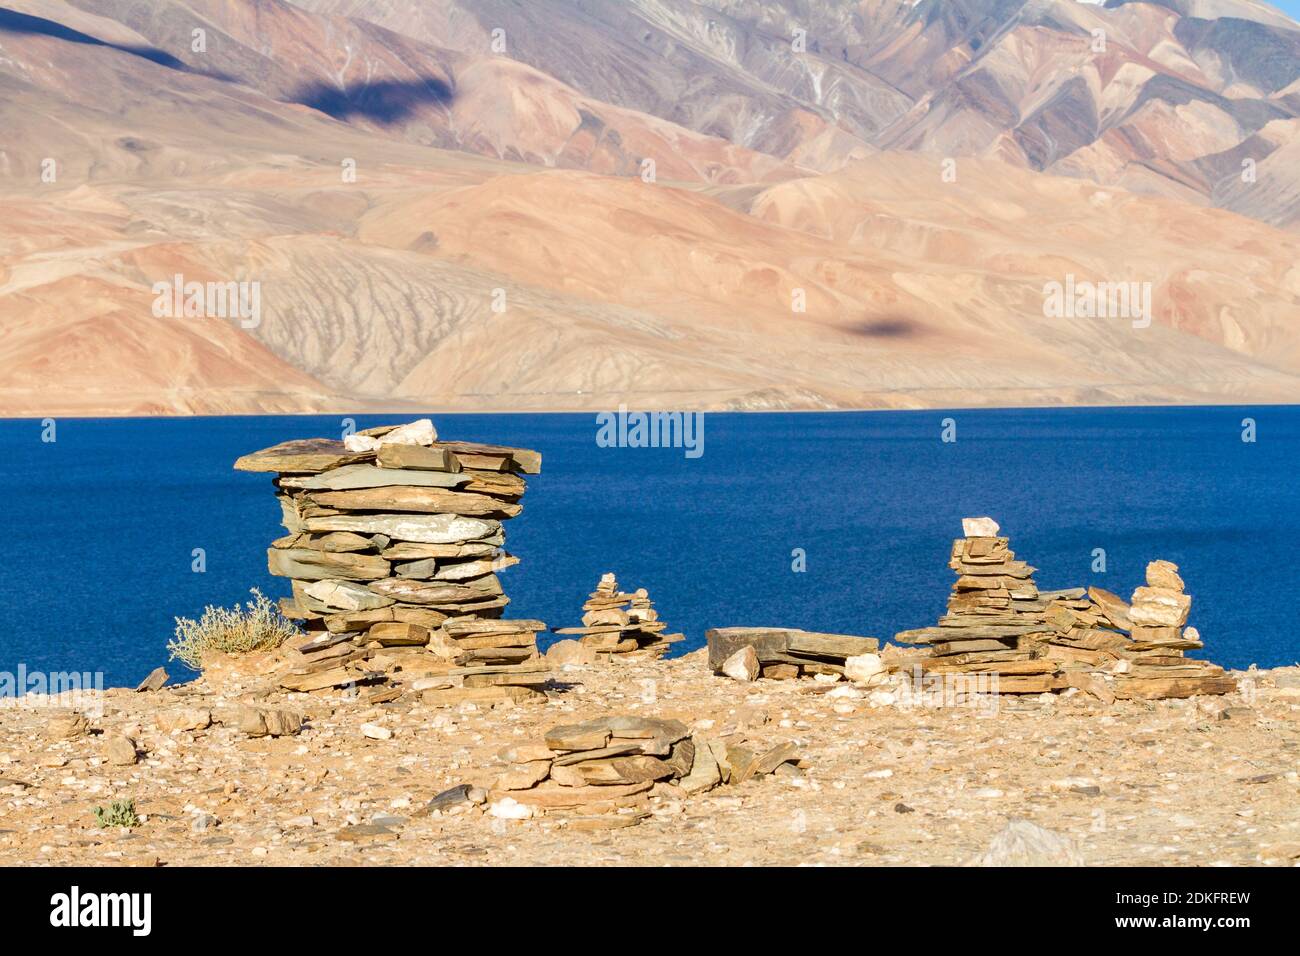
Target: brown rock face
[67,727]
[1159,607]
[1164,574]
[120,750]
[186,718]
[259,722]
[570,652]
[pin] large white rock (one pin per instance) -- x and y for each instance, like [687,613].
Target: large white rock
[864,668]
[360,443]
[419,432]
[742,665]
[979,528]
[509,809]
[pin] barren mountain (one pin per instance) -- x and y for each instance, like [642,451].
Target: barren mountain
[429,222]
[1140,94]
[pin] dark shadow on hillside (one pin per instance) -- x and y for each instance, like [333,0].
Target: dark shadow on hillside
[22,23]
[389,101]
[892,327]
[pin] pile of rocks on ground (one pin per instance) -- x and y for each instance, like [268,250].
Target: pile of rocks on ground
[394,540]
[779,653]
[1001,626]
[609,765]
[1137,648]
[996,620]
[626,625]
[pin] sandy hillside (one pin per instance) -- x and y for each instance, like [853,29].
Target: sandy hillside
[430,224]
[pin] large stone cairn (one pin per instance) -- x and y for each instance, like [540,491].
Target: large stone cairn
[615,623]
[1137,648]
[394,540]
[999,623]
[997,619]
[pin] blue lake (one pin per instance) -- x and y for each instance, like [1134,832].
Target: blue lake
[101,524]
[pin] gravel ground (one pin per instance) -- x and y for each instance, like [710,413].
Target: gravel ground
[1206,781]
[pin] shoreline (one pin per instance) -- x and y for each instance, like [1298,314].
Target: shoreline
[428,410]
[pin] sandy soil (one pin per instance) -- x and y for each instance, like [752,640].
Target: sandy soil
[1207,781]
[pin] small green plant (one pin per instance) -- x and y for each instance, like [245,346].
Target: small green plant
[257,626]
[119,813]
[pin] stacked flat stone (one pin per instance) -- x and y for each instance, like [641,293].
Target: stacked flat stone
[1137,647]
[394,543]
[621,624]
[783,653]
[997,619]
[610,765]
[999,623]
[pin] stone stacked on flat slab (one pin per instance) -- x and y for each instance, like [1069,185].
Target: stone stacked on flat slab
[394,543]
[996,621]
[619,624]
[999,623]
[1153,665]
[610,765]
[784,653]
[1114,648]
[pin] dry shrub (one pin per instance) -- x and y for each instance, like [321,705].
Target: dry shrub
[257,626]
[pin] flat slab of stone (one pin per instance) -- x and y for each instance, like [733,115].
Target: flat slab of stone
[415,499]
[410,551]
[334,541]
[346,596]
[423,529]
[155,681]
[523,459]
[304,564]
[932,635]
[812,644]
[477,627]
[479,695]
[657,733]
[306,456]
[1114,607]
[784,645]
[417,457]
[369,476]
[557,797]
[410,591]
[1157,688]
[612,771]
[579,756]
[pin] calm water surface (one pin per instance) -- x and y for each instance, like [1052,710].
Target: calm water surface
[102,523]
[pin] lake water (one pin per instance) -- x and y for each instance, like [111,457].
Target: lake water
[101,524]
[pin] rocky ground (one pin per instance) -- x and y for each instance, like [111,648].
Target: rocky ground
[1182,782]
